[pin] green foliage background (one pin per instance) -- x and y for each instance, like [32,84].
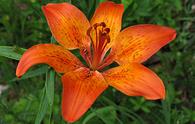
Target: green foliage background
[36,99]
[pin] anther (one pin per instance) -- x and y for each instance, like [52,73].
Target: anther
[96,25]
[107,30]
[103,24]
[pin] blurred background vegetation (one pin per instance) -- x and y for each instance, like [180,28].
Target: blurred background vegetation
[22,25]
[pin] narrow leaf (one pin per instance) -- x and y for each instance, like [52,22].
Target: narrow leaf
[11,52]
[32,73]
[42,108]
[47,97]
[50,87]
[106,114]
[53,40]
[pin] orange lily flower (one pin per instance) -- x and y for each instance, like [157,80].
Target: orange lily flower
[129,48]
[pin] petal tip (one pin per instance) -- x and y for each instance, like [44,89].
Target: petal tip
[111,3]
[19,72]
[159,95]
[171,32]
[43,8]
[174,34]
[18,75]
[69,119]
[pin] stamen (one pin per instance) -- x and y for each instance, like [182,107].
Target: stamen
[96,25]
[99,35]
[103,24]
[107,30]
[85,54]
[89,31]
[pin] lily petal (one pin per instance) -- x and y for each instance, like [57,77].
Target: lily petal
[136,80]
[138,43]
[67,24]
[111,14]
[80,89]
[56,56]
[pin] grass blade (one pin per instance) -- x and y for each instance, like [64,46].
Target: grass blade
[50,87]
[106,114]
[33,73]
[42,108]
[11,52]
[47,97]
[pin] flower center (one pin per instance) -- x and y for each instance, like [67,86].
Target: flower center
[99,35]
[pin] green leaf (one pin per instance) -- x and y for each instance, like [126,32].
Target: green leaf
[125,111]
[33,73]
[50,87]
[42,108]
[102,1]
[47,97]
[68,1]
[92,6]
[11,52]
[106,114]
[126,3]
[117,1]
[76,52]
[53,40]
